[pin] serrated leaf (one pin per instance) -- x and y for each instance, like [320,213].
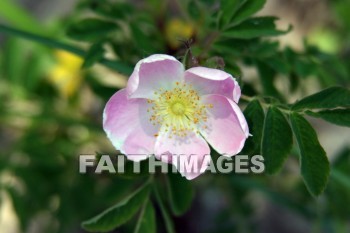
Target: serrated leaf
[249,8]
[93,55]
[277,140]
[314,163]
[179,199]
[118,214]
[255,116]
[336,116]
[253,28]
[90,29]
[332,97]
[146,221]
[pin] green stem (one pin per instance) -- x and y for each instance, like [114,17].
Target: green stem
[112,64]
[247,98]
[168,223]
[141,215]
[266,105]
[41,39]
[209,42]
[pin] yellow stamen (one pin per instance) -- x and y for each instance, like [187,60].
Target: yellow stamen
[179,110]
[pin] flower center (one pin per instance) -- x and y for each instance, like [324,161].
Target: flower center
[178,108]
[178,111]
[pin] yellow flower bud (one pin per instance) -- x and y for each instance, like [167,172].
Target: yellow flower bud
[66,74]
[177,30]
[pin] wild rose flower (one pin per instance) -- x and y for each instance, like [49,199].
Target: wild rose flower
[168,112]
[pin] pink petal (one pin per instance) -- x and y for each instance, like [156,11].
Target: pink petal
[226,129]
[240,117]
[154,72]
[178,150]
[127,125]
[212,81]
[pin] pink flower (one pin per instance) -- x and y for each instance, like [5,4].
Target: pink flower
[168,112]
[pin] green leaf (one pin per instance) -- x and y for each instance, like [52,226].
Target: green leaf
[16,58]
[117,66]
[90,29]
[314,163]
[115,10]
[17,16]
[255,116]
[278,64]
[94,54]
[253,28]
[336,116]
[142,41]
[267,78]
[118,214]
[277,140]
[147,220]
[180,200]
[305,67]
[229,8]
[194,10]
[249,8]
[112,64]
[332,97]
[40,39]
